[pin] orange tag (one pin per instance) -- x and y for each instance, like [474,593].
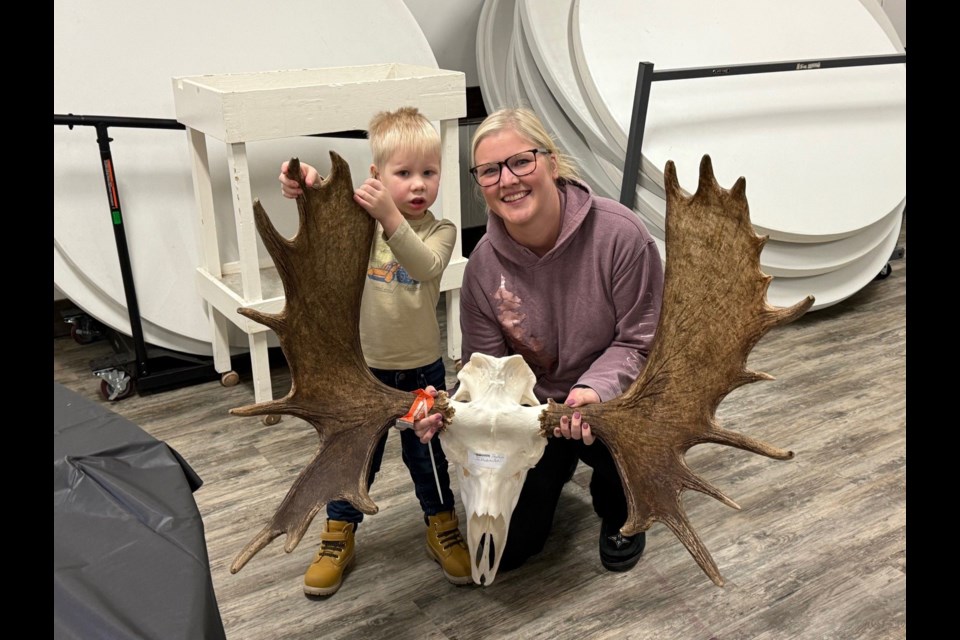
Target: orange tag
[421,406]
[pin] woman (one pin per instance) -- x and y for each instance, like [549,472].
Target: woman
[573,283]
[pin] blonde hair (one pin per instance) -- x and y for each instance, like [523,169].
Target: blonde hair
[526,123]
[405,128]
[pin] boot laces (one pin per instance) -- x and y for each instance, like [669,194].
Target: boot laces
[450,538]
[331,548]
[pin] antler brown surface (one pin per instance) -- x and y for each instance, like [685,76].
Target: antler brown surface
[714,312]
[323,269]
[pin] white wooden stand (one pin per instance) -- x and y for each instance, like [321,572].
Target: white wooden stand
[241,108]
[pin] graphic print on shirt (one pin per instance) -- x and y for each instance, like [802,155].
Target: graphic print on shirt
[511,320]
[384,270]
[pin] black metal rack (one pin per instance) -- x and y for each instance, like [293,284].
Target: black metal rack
[641,100]
[134,364]
[647,76]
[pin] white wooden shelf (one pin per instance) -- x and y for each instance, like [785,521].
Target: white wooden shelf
[240,108]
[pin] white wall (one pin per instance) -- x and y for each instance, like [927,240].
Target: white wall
[451,29]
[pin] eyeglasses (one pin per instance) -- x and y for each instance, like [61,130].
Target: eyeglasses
[520,164]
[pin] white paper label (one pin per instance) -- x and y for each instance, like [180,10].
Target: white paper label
[487,460]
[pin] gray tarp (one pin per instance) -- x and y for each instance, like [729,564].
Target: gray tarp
[129,557]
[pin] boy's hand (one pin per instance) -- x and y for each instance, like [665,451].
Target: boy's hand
[291,188]
[376,200]
[427,427]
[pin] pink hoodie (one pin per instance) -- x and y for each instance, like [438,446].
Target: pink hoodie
[584,314]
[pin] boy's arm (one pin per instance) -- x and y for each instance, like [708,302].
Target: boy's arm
[427,258]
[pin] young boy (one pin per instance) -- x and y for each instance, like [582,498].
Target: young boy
[399,333]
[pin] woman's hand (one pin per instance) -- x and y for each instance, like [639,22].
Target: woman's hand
[573,427]
[291,188]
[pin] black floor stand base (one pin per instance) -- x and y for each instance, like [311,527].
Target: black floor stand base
[163,370]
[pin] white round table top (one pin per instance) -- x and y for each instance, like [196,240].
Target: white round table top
[790,259]
[842,273]
[556,121]
[546,27]
[497,38]
[823,150]
[111,61]
[488,88]
[794,260]
[114,314]
[512,90]
[838,285]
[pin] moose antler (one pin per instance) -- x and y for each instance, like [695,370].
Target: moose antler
[714,312]
[323,269]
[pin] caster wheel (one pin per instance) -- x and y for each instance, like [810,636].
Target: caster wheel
[111,393]
[885,272]
[80,337]
[271,420]
[230,379]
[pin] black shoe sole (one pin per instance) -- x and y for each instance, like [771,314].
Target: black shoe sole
[622,565]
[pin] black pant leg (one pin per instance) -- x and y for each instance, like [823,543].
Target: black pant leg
[533,516]
[606,488]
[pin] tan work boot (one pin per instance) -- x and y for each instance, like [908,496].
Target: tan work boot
[335,554]
[447,547]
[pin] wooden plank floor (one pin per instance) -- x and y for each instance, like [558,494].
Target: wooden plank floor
[817,551]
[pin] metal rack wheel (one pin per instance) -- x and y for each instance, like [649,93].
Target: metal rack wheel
[110,393]
[885,272]
[270,420]
[80,336]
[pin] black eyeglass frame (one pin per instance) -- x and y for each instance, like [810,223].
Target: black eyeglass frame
[502,164]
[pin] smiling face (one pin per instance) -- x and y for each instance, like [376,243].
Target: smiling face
[526,204]
[412,179]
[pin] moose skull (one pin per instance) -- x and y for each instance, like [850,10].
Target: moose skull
[494,440]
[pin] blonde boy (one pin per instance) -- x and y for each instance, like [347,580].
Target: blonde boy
[399,332]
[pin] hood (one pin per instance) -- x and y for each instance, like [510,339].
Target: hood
[575,202]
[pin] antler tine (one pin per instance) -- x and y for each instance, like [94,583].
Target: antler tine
[745,442]
[681,528]
[671,185]
[261,540]
[786,315]
[708,181]
[262,409]
[294,173]
[270,533]
[699,484]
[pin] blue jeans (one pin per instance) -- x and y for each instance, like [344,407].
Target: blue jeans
[415,454]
